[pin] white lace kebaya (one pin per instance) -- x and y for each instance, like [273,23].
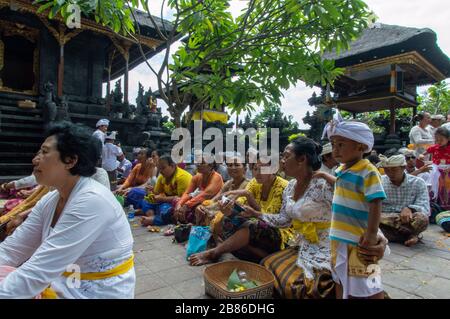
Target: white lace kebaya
[313,206]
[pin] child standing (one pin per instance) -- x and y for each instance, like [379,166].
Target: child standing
[356,210]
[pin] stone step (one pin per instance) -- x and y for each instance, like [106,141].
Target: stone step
[9,157]
[86,116]
[17,109]
[35,118]
[9,178]
[21,135]
[22,126]
[16,168]
[12,99]
[16,164]
[16,154]
[25,147]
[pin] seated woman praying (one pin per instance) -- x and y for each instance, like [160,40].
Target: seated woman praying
[204,185]
[248,238]
[205,212]
[79,223]
[170,186]
[134,186]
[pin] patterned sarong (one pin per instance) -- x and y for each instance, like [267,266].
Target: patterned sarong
[395,231]
[290,281]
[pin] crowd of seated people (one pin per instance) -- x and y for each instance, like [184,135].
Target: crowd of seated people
[289,219]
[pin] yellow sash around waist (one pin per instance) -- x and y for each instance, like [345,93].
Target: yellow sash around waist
[116,271]
[309,229]
[121,269]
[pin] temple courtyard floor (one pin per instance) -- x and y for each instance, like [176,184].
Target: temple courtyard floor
[420,272]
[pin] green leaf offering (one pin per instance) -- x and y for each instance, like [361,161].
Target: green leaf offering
[235,282]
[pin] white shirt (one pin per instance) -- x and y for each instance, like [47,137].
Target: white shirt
[92,232]
[446,125]
[432,130]
[126,166]
[330,171]
[418,135]
[100,135]
[29,181]
[102,177]
[109,156]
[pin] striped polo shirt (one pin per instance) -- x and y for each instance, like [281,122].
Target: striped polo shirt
[355,188]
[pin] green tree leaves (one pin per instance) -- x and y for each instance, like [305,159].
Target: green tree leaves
[437,99]
[245,60]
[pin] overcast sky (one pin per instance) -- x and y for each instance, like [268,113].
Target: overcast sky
[433,14]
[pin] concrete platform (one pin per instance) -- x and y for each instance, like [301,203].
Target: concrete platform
[420,272]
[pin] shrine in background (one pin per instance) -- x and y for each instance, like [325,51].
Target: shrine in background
[49,72]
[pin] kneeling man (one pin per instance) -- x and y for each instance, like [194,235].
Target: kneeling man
[406,209]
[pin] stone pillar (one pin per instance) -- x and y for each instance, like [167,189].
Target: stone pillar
[392,121]
[126,77]
[393,87]
[61,70]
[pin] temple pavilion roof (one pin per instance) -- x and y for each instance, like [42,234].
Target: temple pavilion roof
[383,41]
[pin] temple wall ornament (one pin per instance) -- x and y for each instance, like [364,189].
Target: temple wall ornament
[86,24]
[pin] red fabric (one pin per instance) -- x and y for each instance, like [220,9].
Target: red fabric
[440,153]
[10,204]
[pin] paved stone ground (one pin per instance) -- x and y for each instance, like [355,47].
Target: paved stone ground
[408,273]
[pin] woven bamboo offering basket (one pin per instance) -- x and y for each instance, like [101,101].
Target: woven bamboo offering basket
[216,279]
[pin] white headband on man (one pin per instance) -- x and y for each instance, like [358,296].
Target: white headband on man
[326,149]
[102,122]
[393,161]
[355,131]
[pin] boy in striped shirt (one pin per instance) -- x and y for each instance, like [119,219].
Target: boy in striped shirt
[356,210]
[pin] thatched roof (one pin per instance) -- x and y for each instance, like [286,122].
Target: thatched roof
[383,40]
[146,24]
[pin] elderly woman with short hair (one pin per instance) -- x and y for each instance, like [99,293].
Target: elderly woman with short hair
[79,227]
